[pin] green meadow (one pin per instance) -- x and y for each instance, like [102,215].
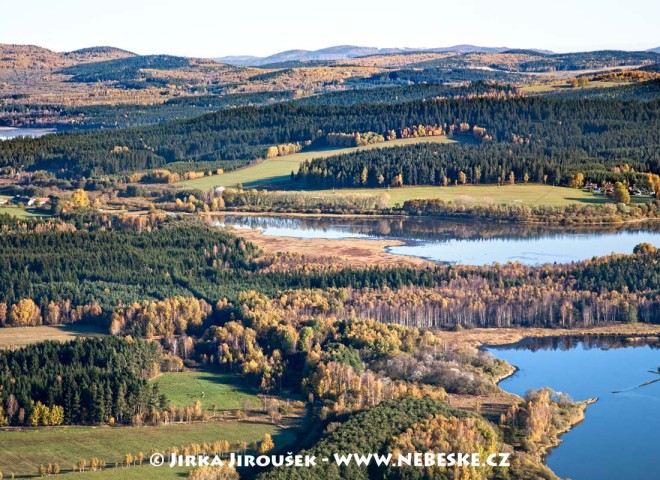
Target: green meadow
[278,169]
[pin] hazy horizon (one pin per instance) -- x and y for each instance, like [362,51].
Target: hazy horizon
[526,47]
[248,54]
[203,28]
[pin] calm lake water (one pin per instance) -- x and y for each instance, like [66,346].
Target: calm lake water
[465,242]
[7,133]
[619,436]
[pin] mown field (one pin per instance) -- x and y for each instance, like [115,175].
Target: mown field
[524,194]
[226,392]
[24,451]
[278,169]
[19,212]
[144,472]
[16,337]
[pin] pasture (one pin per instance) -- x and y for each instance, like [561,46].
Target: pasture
[524,194]
[16,337]
[278,169]
[224,391]
[19,212]
[143,472]
[24,451]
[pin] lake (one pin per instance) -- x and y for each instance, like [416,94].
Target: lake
[7,133]
[619,437]
[464,242]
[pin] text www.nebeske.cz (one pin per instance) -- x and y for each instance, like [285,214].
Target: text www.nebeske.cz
[426,459]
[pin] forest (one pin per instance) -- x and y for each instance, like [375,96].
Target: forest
[645,91]
[122,264]
[390,95]
[86,275]
[501,163]
[83,381]
[421,425]
[124,116]
[443,74]
[371,431]
[103,380]
[554,128]
[123,69]
[521,60]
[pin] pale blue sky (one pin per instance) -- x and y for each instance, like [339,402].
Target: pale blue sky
[207,28]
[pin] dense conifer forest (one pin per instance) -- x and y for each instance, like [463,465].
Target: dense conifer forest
[426,164]
[83,381]
[551,128]
[120,265]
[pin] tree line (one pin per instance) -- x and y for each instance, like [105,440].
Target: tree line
[424,91]
[574,214]
[501,163]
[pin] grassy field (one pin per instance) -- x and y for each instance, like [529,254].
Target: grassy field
[19,212]
[24,451]
[278,169]
[226,392]
[21,336]
[144,472]
[525,194]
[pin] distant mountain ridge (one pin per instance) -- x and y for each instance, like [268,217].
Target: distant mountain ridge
[102,50]
[340,52]
[34,57]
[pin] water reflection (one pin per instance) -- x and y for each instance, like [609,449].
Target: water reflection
[466,242]
[7,133]
[618,438]
[586,342]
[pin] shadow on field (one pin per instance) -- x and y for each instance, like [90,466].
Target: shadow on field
[590,201]
[231,379]
[83,329]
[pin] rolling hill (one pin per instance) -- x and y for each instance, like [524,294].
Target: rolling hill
[107,76]
[34,57]
[342,52]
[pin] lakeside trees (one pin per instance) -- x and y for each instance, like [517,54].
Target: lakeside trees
[116,274]
[343,336]
[574,214]
[408,426]
[111,264]
[366,432]
[442,433]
